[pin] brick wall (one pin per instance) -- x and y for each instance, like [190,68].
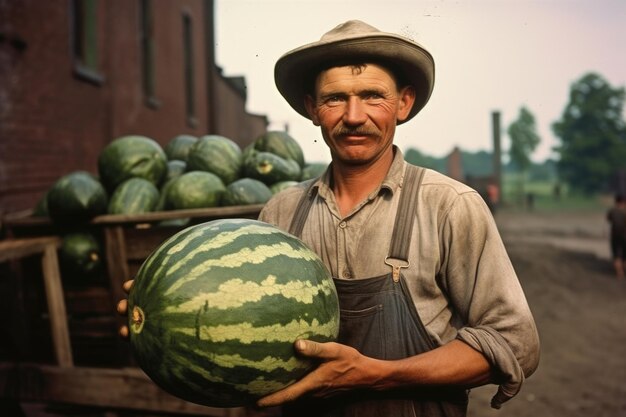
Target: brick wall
[53,122]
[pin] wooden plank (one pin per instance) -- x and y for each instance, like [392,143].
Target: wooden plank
[251,211]
[126,388]
[20,248]
[17,220]
[56,307]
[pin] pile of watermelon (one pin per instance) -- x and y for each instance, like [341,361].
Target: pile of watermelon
[136,175]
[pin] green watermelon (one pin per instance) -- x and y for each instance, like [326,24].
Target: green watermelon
[178,147]
[214,311]
[175,168]
[80,254]
[246,191]
[76,197]
[218,155]
[271,168]
[313,170]
[131,156]
[279,186]
[281,144]
[195,189]
[134,196]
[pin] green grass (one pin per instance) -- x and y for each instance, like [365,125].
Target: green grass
[545,199]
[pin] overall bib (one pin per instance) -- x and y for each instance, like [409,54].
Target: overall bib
[379,319]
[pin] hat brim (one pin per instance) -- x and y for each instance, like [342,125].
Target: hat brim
[292,71]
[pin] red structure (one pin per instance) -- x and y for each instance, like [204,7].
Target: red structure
[76,74]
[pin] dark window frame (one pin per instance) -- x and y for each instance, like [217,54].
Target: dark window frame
[84,40]
[148,50]
[188,69]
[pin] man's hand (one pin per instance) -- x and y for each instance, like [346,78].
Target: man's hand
[341,368]
[122,308]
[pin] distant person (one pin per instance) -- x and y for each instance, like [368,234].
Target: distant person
[530,201]
[616,216]
[493,196]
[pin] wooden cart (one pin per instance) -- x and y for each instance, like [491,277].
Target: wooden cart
[88,364]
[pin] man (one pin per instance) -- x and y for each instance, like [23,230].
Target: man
[430,303]
[452,314]
[616,216]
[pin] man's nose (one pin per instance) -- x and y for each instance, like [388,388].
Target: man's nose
[355,112]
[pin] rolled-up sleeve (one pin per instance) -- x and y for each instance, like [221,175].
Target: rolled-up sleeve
[486,292]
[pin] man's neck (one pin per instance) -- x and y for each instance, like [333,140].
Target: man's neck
[353,183]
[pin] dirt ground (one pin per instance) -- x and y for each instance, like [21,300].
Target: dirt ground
[563,262]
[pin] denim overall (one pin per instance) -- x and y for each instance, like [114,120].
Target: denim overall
[379,319]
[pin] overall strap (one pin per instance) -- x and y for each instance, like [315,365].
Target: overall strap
[405,217]
[302,210]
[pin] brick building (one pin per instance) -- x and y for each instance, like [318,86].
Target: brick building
[76,74]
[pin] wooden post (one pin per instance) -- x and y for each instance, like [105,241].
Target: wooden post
[47,247]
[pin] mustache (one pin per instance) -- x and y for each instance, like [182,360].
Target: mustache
[356,131]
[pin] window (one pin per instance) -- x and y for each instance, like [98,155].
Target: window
[188,70]
[146,35]
[85,39]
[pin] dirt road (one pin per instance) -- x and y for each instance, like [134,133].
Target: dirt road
[580,309]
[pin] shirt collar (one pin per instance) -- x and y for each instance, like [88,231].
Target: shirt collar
[392,181]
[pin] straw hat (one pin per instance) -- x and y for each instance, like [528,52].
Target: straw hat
[355,40]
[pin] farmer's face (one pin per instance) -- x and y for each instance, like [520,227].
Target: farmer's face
[357,109]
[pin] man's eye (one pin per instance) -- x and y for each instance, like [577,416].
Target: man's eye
[333,100]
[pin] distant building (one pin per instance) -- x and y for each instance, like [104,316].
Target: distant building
[76,74]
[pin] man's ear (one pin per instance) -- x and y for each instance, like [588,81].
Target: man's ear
[407,99]
[309,104]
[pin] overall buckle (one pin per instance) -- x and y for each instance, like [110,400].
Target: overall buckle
[395,265]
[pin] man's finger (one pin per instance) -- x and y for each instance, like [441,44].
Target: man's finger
[288,394]
[313,349]
[127,285]
[122,307]
[124,331]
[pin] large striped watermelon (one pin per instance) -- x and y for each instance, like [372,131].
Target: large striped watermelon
[214,311]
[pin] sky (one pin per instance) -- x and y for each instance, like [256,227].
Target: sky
[490,55]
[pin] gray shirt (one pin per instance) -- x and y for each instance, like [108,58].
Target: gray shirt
[460,276]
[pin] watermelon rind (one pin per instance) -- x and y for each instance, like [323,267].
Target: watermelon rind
[218,155]
[76,197]
[192,190]
[134,196]
[214,311]
[246,191]
[131,156]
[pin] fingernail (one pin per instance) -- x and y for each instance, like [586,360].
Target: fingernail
[300,345]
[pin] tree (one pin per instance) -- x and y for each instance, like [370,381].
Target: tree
[524,141]
[592,133]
